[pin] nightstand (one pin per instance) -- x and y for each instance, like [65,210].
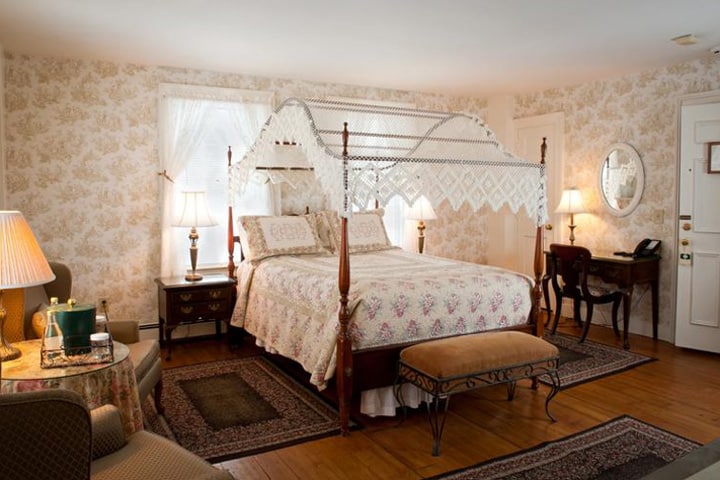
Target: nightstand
[183,302]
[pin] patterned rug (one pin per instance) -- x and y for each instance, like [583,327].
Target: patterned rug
[583,362]
[233,408]
[622,449]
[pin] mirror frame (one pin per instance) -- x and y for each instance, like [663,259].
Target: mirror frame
[640,183]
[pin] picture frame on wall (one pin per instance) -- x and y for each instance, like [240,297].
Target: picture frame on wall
[713,157]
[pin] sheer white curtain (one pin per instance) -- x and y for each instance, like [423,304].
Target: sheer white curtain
[260,196]
[180,134]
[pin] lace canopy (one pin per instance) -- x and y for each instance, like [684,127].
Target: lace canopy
[394,151]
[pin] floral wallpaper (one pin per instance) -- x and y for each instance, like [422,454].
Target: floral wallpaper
[82,163]
[640,110]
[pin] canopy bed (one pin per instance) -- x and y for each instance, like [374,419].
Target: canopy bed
[295,294]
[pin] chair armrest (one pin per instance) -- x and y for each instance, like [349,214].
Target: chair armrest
[108,435]
[124,331]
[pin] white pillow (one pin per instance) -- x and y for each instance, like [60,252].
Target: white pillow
[366,232]
[268,236]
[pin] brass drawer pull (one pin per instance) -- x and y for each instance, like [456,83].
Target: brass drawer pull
[215,294]
[214,307]
[186,297]
[187,310]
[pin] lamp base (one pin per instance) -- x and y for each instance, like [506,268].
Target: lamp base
[421,236]
[8,352]
[193,277]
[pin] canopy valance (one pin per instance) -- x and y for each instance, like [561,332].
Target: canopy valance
[393,151]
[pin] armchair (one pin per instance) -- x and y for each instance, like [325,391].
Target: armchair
[146,358]
[568,271]
[145,354]
[49,434]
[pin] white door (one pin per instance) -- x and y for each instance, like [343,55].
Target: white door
[529,134]
[697,320]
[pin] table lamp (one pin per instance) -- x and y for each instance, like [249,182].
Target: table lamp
[22,264]
[421,211]
[194,213]
[571,202]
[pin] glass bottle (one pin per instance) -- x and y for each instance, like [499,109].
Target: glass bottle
[53,337]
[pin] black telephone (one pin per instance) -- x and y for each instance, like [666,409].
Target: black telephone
[647,247]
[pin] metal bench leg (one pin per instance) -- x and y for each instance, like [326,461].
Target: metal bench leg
[511,389]
[555,379]
[397,391]
[437,416]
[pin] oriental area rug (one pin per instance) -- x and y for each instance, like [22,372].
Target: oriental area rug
[621,449]
[583,362]
[233,408]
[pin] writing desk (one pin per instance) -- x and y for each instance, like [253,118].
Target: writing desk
[625,272]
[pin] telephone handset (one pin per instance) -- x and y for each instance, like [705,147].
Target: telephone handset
[647,247]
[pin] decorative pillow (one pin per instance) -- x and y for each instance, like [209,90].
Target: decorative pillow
[268,236]
[366,232]
[39,321]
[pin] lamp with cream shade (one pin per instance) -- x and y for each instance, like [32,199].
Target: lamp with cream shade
[421,211]
[194,212]
[22,265]
[571,202]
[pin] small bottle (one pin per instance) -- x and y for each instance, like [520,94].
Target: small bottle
[53,337]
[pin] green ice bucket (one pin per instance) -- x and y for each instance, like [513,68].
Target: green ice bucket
[77,322]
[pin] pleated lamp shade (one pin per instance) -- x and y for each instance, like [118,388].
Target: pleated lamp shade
[194,211]
[22,262]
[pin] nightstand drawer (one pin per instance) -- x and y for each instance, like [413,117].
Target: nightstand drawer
[191,311]
[204,295]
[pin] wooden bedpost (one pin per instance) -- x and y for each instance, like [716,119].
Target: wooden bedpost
[344,366]
[538,264]
[230,228]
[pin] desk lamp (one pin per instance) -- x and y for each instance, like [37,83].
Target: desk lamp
[421,211]
[571,202]
[22,264]
[194,213]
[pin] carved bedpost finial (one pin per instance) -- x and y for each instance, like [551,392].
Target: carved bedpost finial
[543,149]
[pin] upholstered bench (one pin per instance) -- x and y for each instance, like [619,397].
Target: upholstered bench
[457,364]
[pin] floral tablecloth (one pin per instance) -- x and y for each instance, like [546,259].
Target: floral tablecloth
[99,384]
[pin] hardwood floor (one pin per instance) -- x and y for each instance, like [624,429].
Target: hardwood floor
[679,392]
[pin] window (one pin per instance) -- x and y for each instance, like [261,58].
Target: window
[197,124]
[207,170]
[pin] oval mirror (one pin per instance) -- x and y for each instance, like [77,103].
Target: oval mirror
[622,179]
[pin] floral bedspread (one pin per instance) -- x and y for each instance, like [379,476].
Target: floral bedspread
[290,303]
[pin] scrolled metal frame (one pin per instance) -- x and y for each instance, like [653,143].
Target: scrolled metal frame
[441,389]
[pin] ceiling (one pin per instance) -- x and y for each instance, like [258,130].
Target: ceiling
[460,47]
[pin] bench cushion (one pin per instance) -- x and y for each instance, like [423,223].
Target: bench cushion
[475,353]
